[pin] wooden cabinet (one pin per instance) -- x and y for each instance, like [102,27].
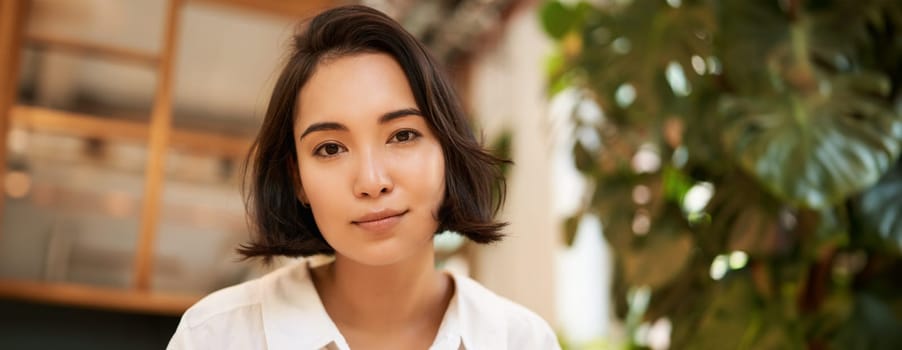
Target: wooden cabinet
[103,205]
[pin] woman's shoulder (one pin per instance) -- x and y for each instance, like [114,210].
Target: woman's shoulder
[224,301]
[475,296]
[233,310]
[236,311]
[497,314]
[249,294]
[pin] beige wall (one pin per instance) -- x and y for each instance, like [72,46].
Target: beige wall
[508,91]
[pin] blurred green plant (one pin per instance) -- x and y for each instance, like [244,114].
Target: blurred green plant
[746,165]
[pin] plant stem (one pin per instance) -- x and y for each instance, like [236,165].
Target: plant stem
[802,75]
[793,8]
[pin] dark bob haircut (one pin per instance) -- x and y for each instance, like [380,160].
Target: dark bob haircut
[280,223]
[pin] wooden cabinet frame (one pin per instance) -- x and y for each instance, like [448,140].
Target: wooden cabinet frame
[159,135]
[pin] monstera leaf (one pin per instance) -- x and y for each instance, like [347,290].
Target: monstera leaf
[815,150]
[652,257]
[734,318]
[871,325]
[763,20]
[659,262]
[635,43]
[881,206]
[746,219]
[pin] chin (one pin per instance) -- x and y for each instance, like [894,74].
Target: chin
[371,258]
[387,253]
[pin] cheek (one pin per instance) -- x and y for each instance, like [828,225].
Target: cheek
[427,174]
[319,189]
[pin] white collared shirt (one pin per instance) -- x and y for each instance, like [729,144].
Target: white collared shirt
[282,310]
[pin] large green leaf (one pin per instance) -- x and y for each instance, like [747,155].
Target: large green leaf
[612,201]
[870,326]
[558,19]
[854,29]
[683,295]
[735,319]
[652,258]
[745,41]
[658,262]
[881,206]
[745,219]
[634,44]
[815,150]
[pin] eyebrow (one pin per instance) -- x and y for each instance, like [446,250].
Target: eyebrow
[385,118]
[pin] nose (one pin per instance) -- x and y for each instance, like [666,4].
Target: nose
[372,179]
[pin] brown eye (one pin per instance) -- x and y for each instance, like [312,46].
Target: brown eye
[405,136]
[331,149]
[328,150]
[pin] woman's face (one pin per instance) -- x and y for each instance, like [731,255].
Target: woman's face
[370,166]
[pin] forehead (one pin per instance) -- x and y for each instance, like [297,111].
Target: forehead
[364,85]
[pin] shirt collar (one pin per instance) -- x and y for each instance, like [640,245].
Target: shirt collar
[449,332]
[292,307]
[478,319]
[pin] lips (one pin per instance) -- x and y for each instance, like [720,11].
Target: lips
[379,221]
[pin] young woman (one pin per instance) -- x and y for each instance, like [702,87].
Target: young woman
[364,155]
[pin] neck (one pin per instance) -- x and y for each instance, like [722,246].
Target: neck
[383,297]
